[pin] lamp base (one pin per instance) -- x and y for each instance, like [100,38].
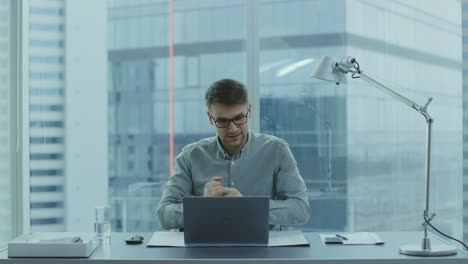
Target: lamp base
[435,250]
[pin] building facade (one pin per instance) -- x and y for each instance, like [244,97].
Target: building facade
[47,114]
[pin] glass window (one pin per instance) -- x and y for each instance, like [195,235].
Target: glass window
[361,152]
[116,109]
[149,96]
[465,116]
[5,127]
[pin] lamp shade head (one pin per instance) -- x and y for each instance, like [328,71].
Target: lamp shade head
[325,70]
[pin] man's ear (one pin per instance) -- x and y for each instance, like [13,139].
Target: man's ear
[210,118]
[249,110]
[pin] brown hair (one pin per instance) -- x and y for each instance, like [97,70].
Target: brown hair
[227,92]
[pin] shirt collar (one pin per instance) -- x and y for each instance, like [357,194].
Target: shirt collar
[242,153]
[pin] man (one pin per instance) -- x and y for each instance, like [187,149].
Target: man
[235,163]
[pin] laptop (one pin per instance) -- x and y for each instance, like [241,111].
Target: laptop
[226,221]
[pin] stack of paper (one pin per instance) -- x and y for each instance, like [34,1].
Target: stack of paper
[52,244]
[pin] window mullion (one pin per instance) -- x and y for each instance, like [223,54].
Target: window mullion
[252,53]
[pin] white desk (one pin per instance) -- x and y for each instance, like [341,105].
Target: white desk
[120,253]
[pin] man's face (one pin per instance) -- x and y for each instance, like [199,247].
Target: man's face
[231,124]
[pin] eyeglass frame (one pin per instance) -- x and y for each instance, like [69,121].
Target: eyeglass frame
[232,120]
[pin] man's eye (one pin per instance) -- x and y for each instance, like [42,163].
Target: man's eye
[239,118]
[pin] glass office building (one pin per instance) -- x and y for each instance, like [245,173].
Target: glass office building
[68,139]
[47,117]
[116,94]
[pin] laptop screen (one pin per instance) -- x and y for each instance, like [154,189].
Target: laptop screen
[226,221]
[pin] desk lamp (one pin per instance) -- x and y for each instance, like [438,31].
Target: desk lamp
[335,70]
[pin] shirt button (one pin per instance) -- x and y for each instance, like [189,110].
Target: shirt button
[232,184]
[233,163]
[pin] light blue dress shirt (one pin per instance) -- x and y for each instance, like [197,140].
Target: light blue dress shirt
[265,166]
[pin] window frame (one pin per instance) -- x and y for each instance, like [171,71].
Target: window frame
[19,187]
[253,60]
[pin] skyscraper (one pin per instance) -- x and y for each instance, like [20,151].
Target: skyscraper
[47,106]
[68,110]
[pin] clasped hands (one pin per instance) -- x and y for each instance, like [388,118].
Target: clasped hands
[215,188]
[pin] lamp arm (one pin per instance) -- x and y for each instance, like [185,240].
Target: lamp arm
[394,94]
[423,111]
[350,64]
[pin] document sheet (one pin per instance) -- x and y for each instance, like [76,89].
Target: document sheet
[356,238]
[276,239]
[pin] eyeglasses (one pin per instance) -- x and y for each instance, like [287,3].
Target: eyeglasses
[223,123]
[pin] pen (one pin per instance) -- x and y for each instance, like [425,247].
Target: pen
[342,237]
[77,240]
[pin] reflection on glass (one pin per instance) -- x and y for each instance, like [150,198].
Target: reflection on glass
[377,155]
[207,46]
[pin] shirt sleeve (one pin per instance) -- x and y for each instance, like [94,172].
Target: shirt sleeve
[290,205]
[170,208]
